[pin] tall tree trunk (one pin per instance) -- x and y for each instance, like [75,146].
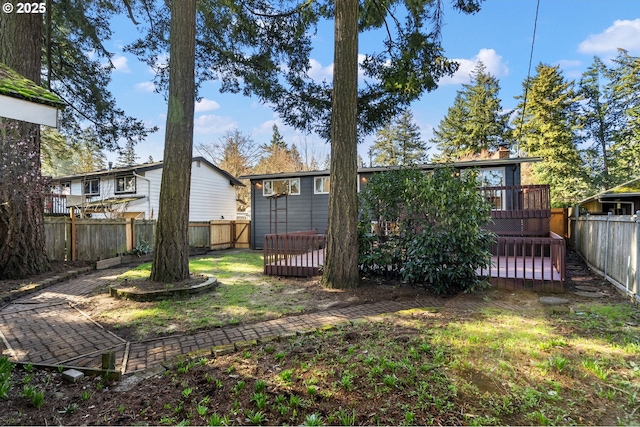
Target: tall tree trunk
[22,240]
[171,256]
[341,268]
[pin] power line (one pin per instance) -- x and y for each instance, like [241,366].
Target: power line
[526,86]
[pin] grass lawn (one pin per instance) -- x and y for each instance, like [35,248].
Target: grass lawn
[244,295]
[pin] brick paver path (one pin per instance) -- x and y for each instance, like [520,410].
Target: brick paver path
[45,328]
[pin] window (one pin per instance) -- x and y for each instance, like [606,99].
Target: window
[321,185]
[493,178]
[126,184]
[281,186]
[91,187]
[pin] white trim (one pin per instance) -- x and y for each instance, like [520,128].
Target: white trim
[89,181]
[270,186]
[323,178]
[19,109]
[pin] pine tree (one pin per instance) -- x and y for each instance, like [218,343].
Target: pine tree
[127,155]
[399,143]
[625,88]
[548,129]
[88,156]
[476,122]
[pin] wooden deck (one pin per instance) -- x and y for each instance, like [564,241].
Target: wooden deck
[518,263]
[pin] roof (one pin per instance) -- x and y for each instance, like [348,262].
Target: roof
[143,168]
[17,86]
[627,189]
[426,166]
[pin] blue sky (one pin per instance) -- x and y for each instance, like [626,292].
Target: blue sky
[569,33]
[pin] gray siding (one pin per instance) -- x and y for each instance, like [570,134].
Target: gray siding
[306,211]
[309,211]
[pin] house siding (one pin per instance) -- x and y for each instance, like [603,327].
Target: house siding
[306,211]
[211,196]
[309,211]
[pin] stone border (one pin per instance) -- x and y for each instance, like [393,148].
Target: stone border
[144,296]
[13,294]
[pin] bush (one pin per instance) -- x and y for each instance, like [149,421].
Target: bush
[425,228]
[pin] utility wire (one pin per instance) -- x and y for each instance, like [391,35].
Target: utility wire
[526,86]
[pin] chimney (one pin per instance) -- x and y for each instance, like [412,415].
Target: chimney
[110,165]
[503,152]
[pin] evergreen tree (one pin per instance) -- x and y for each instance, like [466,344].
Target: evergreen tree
[624,83]
[171,250]
[88,155]
[71,30]
[127,156]
[278,157]
[57,156]
[548,129]
[399,143]
[61,157]
[276,138]
[599,123]
[476,122]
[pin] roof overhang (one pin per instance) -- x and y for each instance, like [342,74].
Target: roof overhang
[486,163]
[625,190]
[28,111]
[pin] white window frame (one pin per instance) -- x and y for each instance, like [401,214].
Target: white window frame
[89,181]
[326,182]
[268,184]
[126,188]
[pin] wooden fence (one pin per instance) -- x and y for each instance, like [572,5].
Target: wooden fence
[97,239]
[610,244]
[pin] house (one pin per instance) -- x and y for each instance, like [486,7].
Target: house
[623,199]
[306,206]
[290,215]
[22,99]
[134,192]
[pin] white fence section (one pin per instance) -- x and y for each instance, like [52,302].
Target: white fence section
[611,246]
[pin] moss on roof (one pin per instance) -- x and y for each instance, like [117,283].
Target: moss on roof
[17,86]
[629,187]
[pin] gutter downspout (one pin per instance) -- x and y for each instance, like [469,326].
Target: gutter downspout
[148,193]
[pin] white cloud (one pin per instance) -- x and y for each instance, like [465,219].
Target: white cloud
[624,34]
[120,63]
[206,105]
[319,73]
[210,124]
[145,87]
[493,63]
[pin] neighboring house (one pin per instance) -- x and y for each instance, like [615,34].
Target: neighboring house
[623,199]
[306,207]
[134,192]
[22,99]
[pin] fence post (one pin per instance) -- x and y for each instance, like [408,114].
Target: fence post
[606,247]
[586,238]
[637,254]
[72,235]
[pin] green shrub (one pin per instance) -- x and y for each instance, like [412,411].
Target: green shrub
[425,228]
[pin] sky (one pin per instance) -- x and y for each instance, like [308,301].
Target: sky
[569,33]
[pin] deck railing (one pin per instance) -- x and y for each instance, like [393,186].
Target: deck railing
[518,201]
[299,254]
[55,204]
[536,263]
